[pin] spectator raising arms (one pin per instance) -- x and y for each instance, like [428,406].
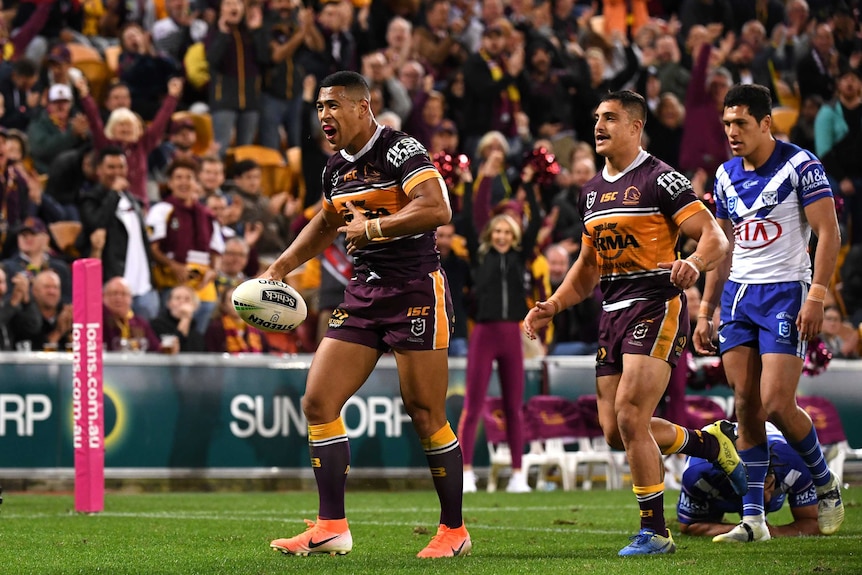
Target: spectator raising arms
[125,129]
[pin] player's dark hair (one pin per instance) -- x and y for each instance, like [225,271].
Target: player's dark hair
[632,102]
[756,97]
[354,82]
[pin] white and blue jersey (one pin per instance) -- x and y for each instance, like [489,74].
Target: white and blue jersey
[771,268]
[766,205]
[706,493]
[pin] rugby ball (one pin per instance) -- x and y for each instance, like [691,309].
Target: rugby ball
[269,305]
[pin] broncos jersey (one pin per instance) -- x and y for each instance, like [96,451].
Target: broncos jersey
[378,180]
[766,206]
[632,221]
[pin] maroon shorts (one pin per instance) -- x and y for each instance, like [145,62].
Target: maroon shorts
[655,328]
[409,314]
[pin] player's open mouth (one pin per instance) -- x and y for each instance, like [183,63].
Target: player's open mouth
[329,132]
[602,138]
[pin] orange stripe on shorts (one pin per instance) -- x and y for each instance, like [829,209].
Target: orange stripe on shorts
[667,332]
[441,318]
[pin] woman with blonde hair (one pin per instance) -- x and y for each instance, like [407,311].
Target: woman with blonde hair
[499,264]
[126,130]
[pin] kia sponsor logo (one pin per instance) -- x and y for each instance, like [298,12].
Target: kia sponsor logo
[756,234]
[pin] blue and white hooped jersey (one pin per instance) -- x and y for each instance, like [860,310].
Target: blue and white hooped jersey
[766,206]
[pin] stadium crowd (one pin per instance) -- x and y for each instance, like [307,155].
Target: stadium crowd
[177,141]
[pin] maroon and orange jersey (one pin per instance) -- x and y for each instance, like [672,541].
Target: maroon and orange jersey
[632,221]
[378,180]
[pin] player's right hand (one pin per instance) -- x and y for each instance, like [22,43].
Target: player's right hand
[538,317]
[703,337]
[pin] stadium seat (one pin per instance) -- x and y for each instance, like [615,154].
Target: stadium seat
[593,449]
[495,434]
[97,74]
[550,424]
[702,411]
[112,59]
[82,53]
[830,432]
[64,234]
[783,119]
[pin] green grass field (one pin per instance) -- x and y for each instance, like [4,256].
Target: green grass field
[543,533]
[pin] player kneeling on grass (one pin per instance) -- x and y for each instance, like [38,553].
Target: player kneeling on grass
[707,494]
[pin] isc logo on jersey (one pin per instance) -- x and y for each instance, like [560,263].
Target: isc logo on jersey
[403,150]
[756,234]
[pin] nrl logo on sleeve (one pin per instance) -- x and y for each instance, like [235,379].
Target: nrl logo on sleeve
[403,150]
[279,297]
[591,199]
[673,183]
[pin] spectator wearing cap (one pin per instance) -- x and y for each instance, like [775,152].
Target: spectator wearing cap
[181,138]
[492,94]
[55,130]
[445,138]
[20,100]
[126,130]
[59,70]
[33,256]
[237,51]
[109,206]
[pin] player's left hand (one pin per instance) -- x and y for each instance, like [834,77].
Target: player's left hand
[355,229]
[683,273]
[810,320]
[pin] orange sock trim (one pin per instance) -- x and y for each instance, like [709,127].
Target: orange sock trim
[677,443]
[648,489]
[326,430]
[440,438]
[333,525]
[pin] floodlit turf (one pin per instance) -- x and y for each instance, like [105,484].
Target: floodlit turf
[544,533]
